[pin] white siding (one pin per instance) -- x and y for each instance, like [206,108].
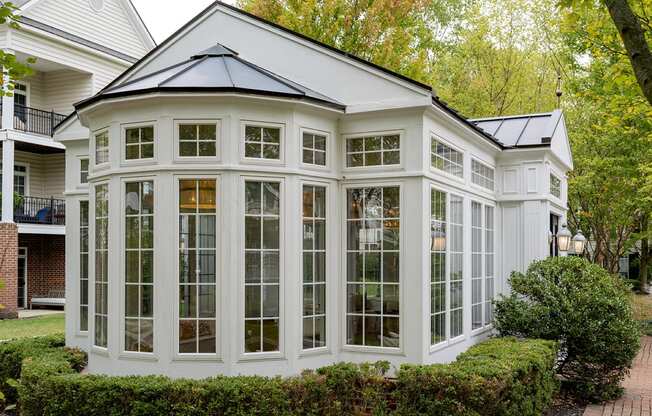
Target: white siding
[111,26]
[64,88]
[46,174]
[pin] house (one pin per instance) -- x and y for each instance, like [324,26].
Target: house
[79,46]
[261,203]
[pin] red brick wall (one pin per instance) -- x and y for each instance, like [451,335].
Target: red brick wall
[8,269]
[45,263]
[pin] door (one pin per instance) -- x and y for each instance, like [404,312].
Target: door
[22,277]
[554,227]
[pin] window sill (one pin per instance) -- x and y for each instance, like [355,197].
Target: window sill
[313,352]
[445,344]
[138,356]
[261,356]
[100,351]
[373,350]
[197,357]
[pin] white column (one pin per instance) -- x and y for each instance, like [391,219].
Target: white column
[8,181]
[7,103]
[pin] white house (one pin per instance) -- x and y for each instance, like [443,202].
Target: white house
[261,203]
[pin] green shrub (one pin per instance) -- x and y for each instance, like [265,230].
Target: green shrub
[498,377]
[587,310]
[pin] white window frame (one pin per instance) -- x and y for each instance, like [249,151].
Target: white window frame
[392,167]
[94,134]
[438,138]
[260,161]
[473,175]
[80,160]
[195,159]
[78,329]
[92,269]
[123,143]
[122,275]
[483,263]
[550,180]
[219,269]
[280,354]
[328,152]
[343,270]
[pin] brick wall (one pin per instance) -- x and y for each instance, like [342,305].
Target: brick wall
[8,269]
[45,263]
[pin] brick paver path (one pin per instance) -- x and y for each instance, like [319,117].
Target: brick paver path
[637,400]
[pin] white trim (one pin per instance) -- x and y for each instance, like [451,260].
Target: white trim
[47,229]
[123,143]
[374,168]
[219,145]
[244,123]
[25,289]
[93,147]
[455,147]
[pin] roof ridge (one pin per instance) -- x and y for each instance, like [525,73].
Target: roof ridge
[269,74]
[184,70]
[511,116]
[167,68]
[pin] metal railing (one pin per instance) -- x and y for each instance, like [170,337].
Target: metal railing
[37,121]
[35,210]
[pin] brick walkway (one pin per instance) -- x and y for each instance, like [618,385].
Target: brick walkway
[637,400]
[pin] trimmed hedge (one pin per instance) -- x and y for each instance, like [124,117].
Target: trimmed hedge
[503,376]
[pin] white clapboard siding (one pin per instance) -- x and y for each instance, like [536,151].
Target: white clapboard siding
[46,173]
[111,26]
[55,176]
[63,89]
[35,90]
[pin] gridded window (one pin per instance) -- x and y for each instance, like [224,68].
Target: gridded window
[102,147]
[197,266]
[139,142]
[83,171]
[489,292]
[314,149]
[482,175]
[445,158]
[373,151]
[477,301]
[438,229]
[314,266]
[139,266]
[197,140]
[555,186]
[372,261]
[456,282]
[20,179]
[101,265]
[83,265]
[262,142]
[262,254]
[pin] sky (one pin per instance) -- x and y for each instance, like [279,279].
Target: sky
[163,17]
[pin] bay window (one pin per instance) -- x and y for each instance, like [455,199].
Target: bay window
[262,142]
[197,139]
[101,265]
[314,149]
[102,147]
[372,264]
[139,142]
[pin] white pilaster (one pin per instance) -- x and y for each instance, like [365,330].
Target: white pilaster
[7,103]
[7,180]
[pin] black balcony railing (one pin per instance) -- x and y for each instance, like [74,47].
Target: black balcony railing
[34,210]
[37,121]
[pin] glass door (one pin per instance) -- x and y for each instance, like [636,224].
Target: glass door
[22,277]
[554,227]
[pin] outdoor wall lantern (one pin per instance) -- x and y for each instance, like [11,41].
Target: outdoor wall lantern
[438,238]
[579,242]
[563,238]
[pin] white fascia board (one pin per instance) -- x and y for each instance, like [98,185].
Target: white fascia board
[442,115]
[36,139]
[41,229]
[519,154]
[388,105]
[138,23]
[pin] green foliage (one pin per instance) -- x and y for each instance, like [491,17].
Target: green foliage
[12,68]
[498,377]
[585,309]
[18,199]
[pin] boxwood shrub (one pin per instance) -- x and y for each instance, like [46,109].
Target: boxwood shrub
[498,377]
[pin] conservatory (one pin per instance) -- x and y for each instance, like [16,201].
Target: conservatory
[268,204]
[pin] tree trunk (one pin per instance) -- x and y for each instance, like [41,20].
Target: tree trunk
[633,38]
[645,254]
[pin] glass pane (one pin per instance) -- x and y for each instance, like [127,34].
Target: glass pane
[320,299]
[320,158]
[206,301]
[354,330]
[372,331]
[270,267]
[132,264]
[187,336]
[207,149]
[252,198]
[252,267]
[252,336]
[390,267]
[308,333]
[373,301]
[354,160]
[354,265]
[207,266]
[390,299]
[252,233]
[372,159]
[131,334]
[132,229]
[320,332]
[271,193]
[372,267]
[207,231]
[308,303]
[320,235]
[147,267]
[132,198]
[207,336]
[207,196]
[271,152]
[320,142]
[147,151]
[252,134]
[187,131]
[270,335]
[308,267]
[146,335]
[132,135]
[270,233]
[252,301]
[131,300]
[132,152]
[354,145]
[187,196]
[147,134]
[308,156]
[391,142]
[187,149]
[187,266]
[391,332]
[147,301]
[372,143]
[354,298]
[271,135]
[187,301]
[147,232]
[320,267]
[207,131]
[270,301]
[308,142]
[254,150]
[308,201]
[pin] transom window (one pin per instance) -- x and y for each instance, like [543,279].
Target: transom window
[445,158]
[83,171]
[139,142]
[101,265]
[482,175]
[197,266]
[262,271]
[314,149]
[197,139]
[262,142]
[373,150]
[102,147]
[83,265]
[314,266]
[372,259]
[555,186]
[139,266]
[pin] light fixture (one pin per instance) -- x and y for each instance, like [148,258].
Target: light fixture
[563,238]
[438,238]
[551,237]
[579,242]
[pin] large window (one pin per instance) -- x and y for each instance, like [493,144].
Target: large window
[197,140]
[197,266]
[20,179]
[262,142]
[83,170]
[314,149]
[314,266]
[139,142]
[482,274]
[372,258]
[445,158]
[101,265]
[83,265]
[489,292]
[102,147]
[139,266]
[373,150]
[555,186]
[482,175]
[446,266]
[262,272]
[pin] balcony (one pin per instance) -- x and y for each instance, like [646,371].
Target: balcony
[34,120]
[41,211]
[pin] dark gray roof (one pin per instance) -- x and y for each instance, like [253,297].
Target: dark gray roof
[216,69]
[523,130]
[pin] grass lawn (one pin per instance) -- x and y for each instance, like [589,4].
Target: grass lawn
[643,311]
[21,328]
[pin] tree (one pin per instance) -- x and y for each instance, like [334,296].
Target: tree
[12,69]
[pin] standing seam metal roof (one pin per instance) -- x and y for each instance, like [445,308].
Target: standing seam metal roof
[523,130]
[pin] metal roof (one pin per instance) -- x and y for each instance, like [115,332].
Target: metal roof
[526,130]
[216,69]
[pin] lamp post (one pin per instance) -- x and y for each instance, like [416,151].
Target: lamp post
[579,242]
[563,239]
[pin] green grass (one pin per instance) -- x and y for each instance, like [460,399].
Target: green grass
[30,327]
[642,305]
